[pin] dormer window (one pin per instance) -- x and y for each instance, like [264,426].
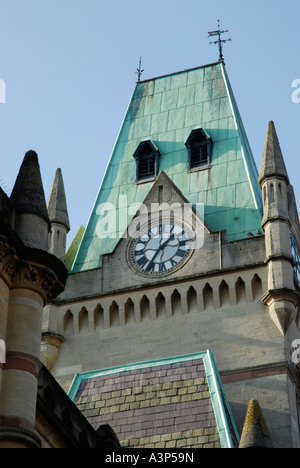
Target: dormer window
[147,162]
[199,146]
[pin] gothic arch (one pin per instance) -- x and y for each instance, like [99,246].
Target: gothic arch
[68,324]
[224,294]
[114,315]
[145,307]
[208,296]
[83,320]
[160,303]
[176,302]
[129,311]
[192,302]
[257,289]
[99,316]
[240,290]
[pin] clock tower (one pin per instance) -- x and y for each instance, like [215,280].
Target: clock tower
[186,253]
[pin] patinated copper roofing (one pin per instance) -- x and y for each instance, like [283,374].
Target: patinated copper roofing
[166,110]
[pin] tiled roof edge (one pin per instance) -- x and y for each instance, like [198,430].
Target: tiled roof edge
[78,378]
[219,401]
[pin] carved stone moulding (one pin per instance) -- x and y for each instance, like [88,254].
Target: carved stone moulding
[18,273]
[283,304]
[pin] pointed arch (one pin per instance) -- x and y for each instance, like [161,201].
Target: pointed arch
[145,308]
[208,296]
[129,311]
[240,290]
[176,302]
[257,288]
[192,302]
[114,314]
[160,303]
[224,294]
[99,316]
[68,324]
[271,193]
[83,320]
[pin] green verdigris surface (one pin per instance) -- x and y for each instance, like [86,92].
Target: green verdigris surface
[165,110]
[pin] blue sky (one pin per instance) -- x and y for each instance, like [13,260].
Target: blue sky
[69,69]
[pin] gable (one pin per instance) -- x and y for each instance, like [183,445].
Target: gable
[166,110]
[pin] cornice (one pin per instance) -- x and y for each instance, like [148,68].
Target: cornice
[35,269]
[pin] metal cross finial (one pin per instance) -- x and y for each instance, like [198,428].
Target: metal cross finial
[139,70]
[220,41]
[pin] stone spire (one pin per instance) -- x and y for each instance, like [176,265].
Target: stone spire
[255,432]
[278,205]
[59,218]
[57,204]
[28,193]
[272,160]
[28,198]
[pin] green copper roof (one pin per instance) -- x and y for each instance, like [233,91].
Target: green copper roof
[165,110]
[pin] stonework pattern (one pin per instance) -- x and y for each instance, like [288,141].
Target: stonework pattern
[167,406]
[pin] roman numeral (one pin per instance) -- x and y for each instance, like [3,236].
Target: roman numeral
[181,253]
[151,267]
[182,242]
[142,261]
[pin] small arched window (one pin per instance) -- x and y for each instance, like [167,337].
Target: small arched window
[199,146]
[147,162]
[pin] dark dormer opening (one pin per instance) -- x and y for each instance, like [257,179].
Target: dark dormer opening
[199,146]
[147,162]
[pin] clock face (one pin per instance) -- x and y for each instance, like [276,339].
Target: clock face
[161,248]
[296,257]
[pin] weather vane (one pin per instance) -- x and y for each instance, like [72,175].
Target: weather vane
[139,70]
[220,41]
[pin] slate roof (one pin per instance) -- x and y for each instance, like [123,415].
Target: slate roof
[165,110]
[175,402]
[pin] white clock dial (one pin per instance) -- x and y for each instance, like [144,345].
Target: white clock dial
[161,248]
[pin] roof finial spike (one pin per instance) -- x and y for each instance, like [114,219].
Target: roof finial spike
[139,70]
[220,41]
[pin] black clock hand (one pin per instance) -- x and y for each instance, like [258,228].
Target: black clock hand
[161,247]
[167,241]
[152,259]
